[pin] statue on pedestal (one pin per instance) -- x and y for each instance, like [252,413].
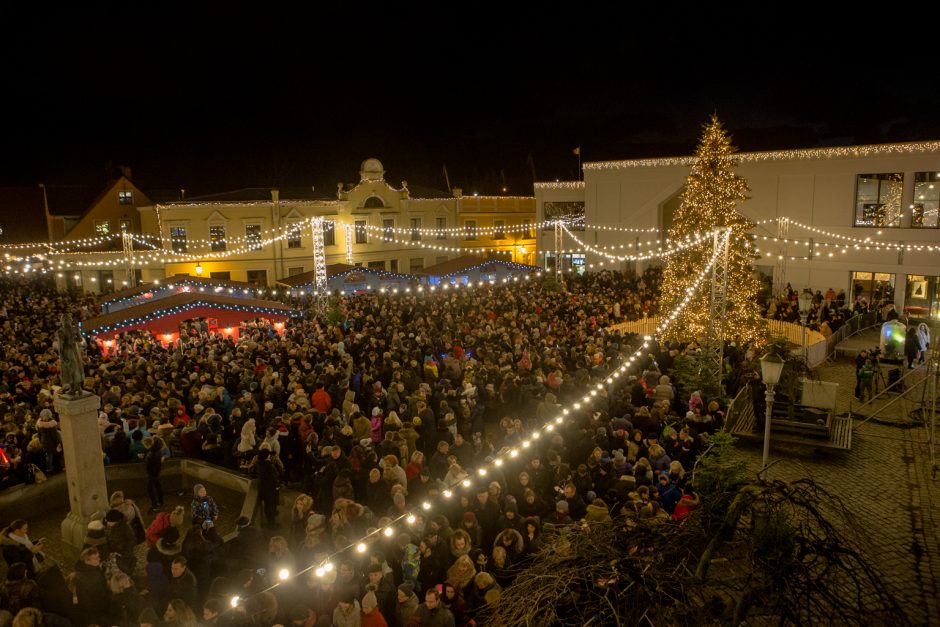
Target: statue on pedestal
[71,366]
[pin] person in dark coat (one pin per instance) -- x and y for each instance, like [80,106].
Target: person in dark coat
[183,584]
[91,588]
[269,482]
[121,540]
[911,345]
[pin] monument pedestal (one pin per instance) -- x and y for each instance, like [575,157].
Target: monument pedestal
[84,465]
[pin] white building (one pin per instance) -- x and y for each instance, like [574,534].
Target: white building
[835,200]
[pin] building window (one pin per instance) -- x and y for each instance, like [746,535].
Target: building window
[922,296]
[361,237]
[102,228]
[499,229]
[393,265]
[178,239]
[415,264]
[388,229]
[527,233]
[217,238]
[926,200]
[253,236]
[373,202]
[125,197]
[258,278]
[295,271]
[221,276]
[441,225]
[571,212]
[377,265]
[106,281]
[293,236]
[126,226]
[873,287]
[329,233]
[878,199]
[415,229]
[469,229]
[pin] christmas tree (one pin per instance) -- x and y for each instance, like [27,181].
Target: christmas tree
[712,192]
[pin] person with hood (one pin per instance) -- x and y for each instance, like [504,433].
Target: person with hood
[669,495]
[597,511]
[16,546]
[121,540]
[512,543]
[407,603]
[686,504]
[203,507]
[561,516]
[461,573]
[375,425]
[460,544]
[471,527]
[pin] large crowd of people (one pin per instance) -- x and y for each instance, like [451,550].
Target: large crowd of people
[363,421]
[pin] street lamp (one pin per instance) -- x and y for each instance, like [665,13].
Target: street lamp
[771,367]
[198,269]
[805,303]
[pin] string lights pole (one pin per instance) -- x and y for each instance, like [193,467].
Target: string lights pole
[319,255]
[128,245]
[559,244]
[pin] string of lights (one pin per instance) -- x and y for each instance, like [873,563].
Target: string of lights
[909,148]
[459,231]
[504,456]
[659,253]
[170,311]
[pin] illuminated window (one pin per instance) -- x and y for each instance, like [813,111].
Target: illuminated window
[217,238]
[103,227]
[878,199]
[253,236]
[415,232]
[361,237]
[527,233]
[926,201]
[470,229]
[293,238]
[388,228]
[126,226]
[125,197]
[441,224]
[178,239]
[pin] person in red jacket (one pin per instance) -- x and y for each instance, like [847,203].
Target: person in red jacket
[686,504]
[371,616]
[321,400]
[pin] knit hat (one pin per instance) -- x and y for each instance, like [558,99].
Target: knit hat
[96,534]
[376,411]
[469,517]
[562,506]
[407,588]
[369,602]
[46,414]
[619,459]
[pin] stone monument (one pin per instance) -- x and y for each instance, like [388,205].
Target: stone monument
[81,441]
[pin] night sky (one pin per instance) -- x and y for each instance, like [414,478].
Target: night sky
[219,98]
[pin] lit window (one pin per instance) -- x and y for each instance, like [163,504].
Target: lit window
[878,199]
[178,239]
[293,238]
[253,236]
[102,227]
[361,237]
[926,202]
[125,197]
[217,238]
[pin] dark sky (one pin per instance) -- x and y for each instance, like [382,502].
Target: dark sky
[220,97]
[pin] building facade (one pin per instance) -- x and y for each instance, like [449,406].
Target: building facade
[261,236]
[863,219]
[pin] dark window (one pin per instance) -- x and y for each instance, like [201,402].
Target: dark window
[361,237]
[374,202]
[178,239]
[258,278]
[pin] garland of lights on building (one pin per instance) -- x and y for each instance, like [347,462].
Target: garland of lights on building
[504,456]
[171,311]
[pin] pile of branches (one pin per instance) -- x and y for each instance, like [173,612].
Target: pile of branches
[785,553]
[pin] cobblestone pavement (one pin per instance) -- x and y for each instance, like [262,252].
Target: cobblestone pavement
[888,482]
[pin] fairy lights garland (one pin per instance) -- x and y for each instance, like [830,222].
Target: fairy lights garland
[163,313]
[698,239]
[507,454]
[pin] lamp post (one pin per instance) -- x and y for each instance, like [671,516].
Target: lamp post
[771,367]
[805,303]
[198,268]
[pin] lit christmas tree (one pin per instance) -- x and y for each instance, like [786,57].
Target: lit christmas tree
[712,192]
